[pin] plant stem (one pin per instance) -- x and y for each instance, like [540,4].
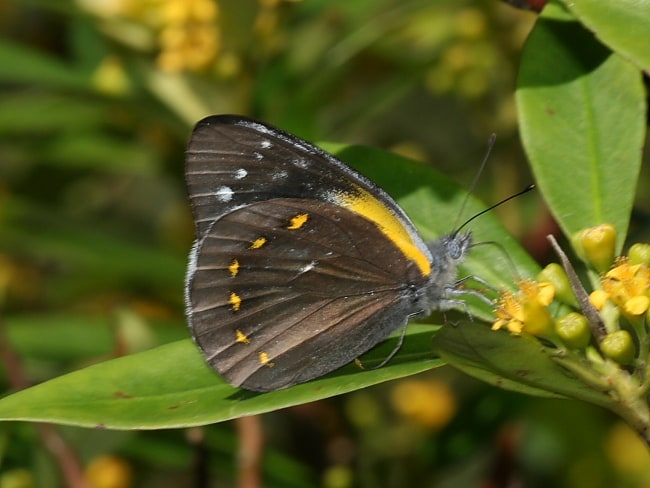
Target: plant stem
[637,415]
[628,396]
[631,403]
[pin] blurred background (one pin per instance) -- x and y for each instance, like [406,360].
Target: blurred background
[97,100]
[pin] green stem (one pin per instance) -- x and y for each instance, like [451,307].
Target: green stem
[583,372]
[628,397]
[631,403]
[643,364]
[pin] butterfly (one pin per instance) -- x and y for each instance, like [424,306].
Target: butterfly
[300,263]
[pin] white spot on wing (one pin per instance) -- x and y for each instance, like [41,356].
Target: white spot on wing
[189,276]
[259,156]
[240,174]
[301,162]
[308,267]
[266,144]
[335,197]
[280,174]
[223,194]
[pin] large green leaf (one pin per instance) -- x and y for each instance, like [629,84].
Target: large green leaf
[624,25]
[82,337]
[517,363]
[582,120]
[171,386]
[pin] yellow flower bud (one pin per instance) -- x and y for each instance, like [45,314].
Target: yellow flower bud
[596,246]
[109,472]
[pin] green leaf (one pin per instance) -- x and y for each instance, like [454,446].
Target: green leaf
[93,257]
[620,24]
[517,363]
[582,119]
[171,386]
[70,337]
[60,337]
[25,65]
[33,113]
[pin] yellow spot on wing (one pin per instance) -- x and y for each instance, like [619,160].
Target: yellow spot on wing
[297,221]
[364,204]
[264,359]
[234,267]
[241,337]
[257,243]
[235,301]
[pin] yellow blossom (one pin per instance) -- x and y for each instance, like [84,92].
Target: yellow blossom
[109,472]
[628,286]
[598,298]
[509,313]
[526,311]
[543,292]
[637,305]
[431,404]
[189,37]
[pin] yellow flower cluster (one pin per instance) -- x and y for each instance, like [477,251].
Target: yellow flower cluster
[185,32]
[429,404]
[189,37]
[624,293]
[526,311]
[603,341]
[627,285]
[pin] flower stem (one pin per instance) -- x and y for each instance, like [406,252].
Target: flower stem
[630,400]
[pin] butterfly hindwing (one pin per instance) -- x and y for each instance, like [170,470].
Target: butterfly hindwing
[285,290]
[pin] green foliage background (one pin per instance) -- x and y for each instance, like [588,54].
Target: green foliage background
[95,227]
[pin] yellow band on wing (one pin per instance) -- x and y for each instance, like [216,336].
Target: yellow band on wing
[364,204]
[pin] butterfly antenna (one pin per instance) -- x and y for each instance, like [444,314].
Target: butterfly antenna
[472,187]
[491,207]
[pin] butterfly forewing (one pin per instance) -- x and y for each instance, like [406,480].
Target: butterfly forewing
[285,290]
[233,161]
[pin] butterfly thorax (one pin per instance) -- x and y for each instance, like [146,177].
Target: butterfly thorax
[447,253]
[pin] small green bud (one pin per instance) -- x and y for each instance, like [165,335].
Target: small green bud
[17,478]
[574,331]
[554,274]
[596,246]
[619,347]
[639,254]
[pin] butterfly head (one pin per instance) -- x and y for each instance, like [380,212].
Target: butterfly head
[450,249]
[447,253]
